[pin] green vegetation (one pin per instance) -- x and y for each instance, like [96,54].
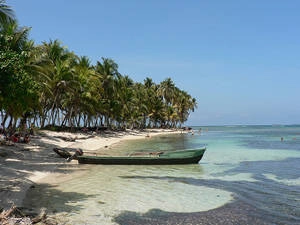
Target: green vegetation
[49,85]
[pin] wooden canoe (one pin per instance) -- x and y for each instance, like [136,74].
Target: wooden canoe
[189,156]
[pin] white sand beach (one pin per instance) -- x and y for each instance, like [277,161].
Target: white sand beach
[23,165]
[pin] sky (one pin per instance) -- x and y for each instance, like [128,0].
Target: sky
[240,59]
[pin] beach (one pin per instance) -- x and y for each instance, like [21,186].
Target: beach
[24,165]
[247,176]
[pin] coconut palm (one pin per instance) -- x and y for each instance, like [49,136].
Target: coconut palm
[14,38]
[6,14]
[184,105]
[150,98]
[124,100]
[108,70]
[56,65]
[139,111]
[52,84]
[166,90]
[86,96]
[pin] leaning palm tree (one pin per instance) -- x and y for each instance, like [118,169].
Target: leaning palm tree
[6,13]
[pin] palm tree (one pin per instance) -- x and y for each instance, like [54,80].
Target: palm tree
[56,66]
[184,105]
[150,88]
[124,100]
[52,82]
[166,90]
[85,96]
[108,70]
[6,14]
[138,110]
[14,38]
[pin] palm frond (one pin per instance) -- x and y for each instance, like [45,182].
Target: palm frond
[7,15]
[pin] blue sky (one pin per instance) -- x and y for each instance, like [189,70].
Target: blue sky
[240,59]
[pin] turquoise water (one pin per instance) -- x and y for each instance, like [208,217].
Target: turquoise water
[249,174]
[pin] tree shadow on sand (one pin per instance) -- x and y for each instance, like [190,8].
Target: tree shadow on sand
[49,197]
[19,161]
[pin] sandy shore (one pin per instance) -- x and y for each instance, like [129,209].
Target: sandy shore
[23,165]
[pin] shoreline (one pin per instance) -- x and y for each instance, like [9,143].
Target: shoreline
[24,165]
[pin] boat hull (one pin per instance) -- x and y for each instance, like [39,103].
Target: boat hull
[192,156]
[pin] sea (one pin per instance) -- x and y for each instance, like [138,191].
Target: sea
[248,175]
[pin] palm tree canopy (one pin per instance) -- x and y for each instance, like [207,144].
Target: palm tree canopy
[6,13]
[52,85]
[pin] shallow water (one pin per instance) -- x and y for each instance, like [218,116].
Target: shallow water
[247,175]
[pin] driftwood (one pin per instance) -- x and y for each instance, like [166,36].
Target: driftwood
[7,213]
[41,217]
[62,152]
[70,139]
[15,216]
[78,152]
[67,155]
